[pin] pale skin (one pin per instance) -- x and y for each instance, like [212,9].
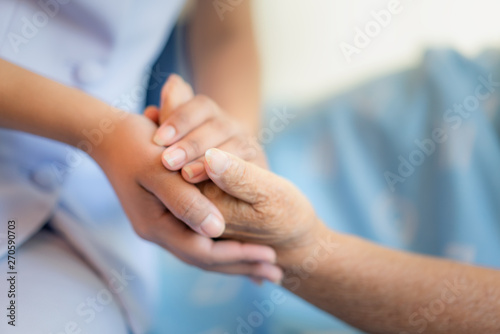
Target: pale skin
[161,205]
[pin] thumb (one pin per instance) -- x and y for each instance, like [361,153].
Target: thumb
[237,177]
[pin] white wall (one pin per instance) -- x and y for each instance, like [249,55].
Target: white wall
[300,40]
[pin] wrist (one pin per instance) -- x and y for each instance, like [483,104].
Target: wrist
[317,246]
[99,139]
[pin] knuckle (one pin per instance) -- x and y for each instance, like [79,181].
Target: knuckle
[206,103]
[273,203]
[201,261]
[194,261]
[219,126]
[207,262]
[271,198]
[243,181]
[245,148]
[261,213]
[269,213]
[210,190]
[143,231]
[192,146]
[260,197]
[181,119]
[186,205]
[239,176]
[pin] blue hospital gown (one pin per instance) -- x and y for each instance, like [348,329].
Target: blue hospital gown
[410,161]
[442,120]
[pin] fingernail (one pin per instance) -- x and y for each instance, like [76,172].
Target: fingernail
[164,135]
[212,226]
[217,160]
[175,157]
[195,169]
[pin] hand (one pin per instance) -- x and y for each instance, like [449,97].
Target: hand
[157,203]
[259,206]
[190,125]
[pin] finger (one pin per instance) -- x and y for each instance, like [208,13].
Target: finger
[194,172]
[204,252]
[186,202]
[210,134]
[152,112]
[175,92]
[241,179]
[261,270]
[241,146]
[185,118]
[256,271]
[230,251]
[227,257]
[233,209]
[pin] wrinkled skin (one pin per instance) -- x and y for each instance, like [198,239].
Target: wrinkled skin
[259,206]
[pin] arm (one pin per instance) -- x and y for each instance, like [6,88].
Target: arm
[373,288]
[381,290]
[31,103]
[225,60]
[225,113]
[158,203]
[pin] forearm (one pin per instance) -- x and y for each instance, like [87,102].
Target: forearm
[37,105]
[385,291]
[225,60]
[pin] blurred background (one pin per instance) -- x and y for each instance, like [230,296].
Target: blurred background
[300,40]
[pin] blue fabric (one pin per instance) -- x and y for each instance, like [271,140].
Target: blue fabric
[174,58]
[448,206]
[198,302]
[340,155]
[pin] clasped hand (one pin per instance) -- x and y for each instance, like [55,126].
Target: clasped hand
[195,197]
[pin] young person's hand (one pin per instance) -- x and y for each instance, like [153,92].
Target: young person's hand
[190,125]
[162,207]
[160,203]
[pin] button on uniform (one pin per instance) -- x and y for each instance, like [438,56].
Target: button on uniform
[45,178]
[89,72]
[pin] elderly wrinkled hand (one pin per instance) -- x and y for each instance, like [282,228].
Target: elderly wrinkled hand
[259,206]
